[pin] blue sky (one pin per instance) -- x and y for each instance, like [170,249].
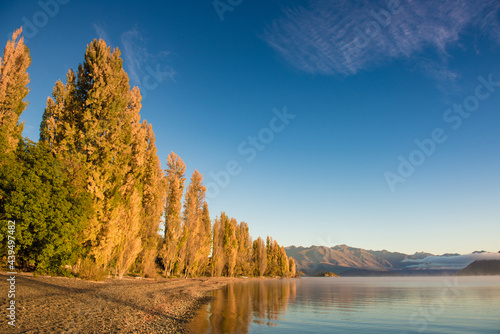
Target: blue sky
[304,116]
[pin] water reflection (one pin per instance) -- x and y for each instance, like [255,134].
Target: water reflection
[354,305]
[237,305]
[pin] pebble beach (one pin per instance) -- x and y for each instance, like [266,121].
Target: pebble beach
[70,305]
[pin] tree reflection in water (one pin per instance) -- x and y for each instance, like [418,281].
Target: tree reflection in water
[237,305]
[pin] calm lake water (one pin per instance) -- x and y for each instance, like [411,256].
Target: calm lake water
[354,305]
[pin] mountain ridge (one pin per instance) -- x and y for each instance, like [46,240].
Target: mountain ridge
[358,261]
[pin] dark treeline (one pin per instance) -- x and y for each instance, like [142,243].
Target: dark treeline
[90,196]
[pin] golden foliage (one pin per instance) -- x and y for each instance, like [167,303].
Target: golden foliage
[175,187]
[92,124]
[193,231]
[14,80]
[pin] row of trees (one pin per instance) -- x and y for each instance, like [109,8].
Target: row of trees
[193,247]
[91,194]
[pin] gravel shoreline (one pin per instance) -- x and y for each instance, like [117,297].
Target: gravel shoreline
[69,305]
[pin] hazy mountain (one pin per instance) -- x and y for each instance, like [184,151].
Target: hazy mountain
[350,261]
[396,259]
[481,267]
[339,256]
[315,259]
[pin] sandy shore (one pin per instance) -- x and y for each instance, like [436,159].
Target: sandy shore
[63,305]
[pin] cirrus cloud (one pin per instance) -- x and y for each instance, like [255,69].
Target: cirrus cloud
[345,37]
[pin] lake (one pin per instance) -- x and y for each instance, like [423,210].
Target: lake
[354,305]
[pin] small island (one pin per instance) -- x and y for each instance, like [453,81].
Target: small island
[327,274]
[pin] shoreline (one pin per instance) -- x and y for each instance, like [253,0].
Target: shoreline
[128,305]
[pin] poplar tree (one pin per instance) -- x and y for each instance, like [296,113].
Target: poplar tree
[173,220]
[89,121]
[154,192]
[14,80]
[130,245]
[205,240]
[283,262]
[244,252]
[192,224]
[230,244]
[292,269]
[273,253]
[259,257]
[143,194]
[104,92]
[62,122]
[217,260]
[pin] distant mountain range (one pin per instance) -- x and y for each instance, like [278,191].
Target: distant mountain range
[350,261]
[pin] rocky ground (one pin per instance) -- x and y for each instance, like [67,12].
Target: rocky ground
[70,305]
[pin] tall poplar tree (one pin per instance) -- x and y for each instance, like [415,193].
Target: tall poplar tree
[244,252]
[154,193]
[273,252]
[193,230]
[292,269]
[217,260]
[130,245]
[230,244]
[104,92]
[283,262]
[14,80]
[61,126]
[259,257]
[143,193]
[89,121]
[205,240]
[173,220]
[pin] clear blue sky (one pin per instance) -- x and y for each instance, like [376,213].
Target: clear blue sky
[360,82]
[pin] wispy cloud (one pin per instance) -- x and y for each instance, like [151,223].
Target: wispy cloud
[140,62]
[101,33]
[135,54]
[345,37]
[145,69]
